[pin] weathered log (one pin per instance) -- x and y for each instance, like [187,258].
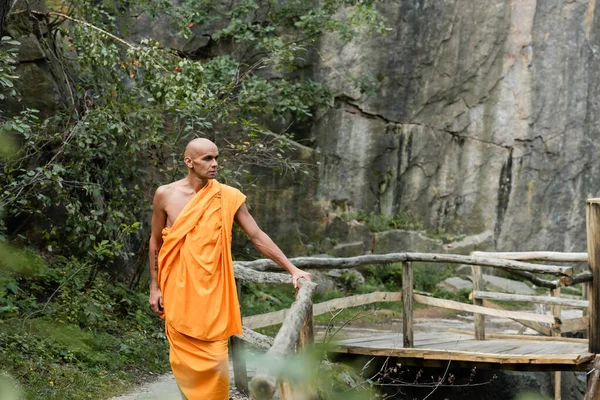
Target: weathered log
[407,305]
[264,384]
[581,278]
[491,262]
[256,339]
[249,275]
[592,392]
[539,281]
[532,299]
[350,262]
[478,319]
[553,256]
[555,293]
[592,211]
[326,262]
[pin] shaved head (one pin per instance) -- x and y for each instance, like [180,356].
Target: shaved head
[199,145]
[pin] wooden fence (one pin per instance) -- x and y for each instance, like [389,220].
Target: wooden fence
[297,321]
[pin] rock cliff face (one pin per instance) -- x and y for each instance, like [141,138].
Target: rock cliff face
[480,118]
[485,118]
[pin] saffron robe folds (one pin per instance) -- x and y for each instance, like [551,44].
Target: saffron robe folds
[195,275]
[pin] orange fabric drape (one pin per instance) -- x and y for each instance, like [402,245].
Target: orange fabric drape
[195,275]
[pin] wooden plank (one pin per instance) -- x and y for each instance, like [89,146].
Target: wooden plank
[544,330]
[479,319]
[355,301]
[534,256]
[593,246]
[455,305]
[277,317]
[525,337]
[566,359]
[531,299]
[575,324]
[367,339]
[407,305]
[493,346]
[267,319]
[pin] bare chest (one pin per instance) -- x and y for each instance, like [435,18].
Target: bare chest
[175,204]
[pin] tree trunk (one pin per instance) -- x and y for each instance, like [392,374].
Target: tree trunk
[4,7]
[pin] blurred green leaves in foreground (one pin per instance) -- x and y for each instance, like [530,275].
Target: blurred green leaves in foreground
[8,388]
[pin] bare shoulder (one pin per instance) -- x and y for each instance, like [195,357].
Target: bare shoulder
[165,192]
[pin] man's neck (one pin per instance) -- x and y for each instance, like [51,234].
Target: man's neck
[196,183]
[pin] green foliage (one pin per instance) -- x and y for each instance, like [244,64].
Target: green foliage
[60,348]
[76,191]
[403,220]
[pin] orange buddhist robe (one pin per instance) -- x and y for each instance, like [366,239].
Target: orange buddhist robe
[201,308]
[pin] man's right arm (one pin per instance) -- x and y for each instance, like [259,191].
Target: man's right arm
[159,219]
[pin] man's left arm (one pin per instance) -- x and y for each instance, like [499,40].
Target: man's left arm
[265,244]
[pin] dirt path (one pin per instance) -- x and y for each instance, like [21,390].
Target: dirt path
[165,388]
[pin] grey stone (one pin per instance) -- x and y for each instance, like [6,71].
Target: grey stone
[324,283]
[37,88]
[358,232]
[464,271]
[498,284]
[337,229]
[455,284]
[479,242]
[397,241]
[30,49]
[349,249]
[346,277]
[474,126]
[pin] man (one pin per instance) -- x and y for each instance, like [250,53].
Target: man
[192,283]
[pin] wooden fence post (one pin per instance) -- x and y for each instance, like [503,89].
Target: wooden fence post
[556,314]
[479,319]
[407,304]
[585,295]
[240,374]
[307,336]
[593,245]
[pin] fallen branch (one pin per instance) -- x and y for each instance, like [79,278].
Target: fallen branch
[553,256]
[264,384]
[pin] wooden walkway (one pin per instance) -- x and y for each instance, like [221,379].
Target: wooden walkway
[436,349]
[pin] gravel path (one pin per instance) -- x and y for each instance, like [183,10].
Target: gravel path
[165,388]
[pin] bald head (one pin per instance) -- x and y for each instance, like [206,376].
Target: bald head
[201,159]
[199,145]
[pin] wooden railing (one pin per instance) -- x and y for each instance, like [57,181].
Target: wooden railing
[265,383]
[298,318]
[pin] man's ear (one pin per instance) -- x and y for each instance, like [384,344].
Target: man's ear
[188,162]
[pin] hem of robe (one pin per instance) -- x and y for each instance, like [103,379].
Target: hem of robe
[201,368]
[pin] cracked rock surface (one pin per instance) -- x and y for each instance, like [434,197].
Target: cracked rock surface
[484,118]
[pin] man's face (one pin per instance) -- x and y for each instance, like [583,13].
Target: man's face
[203,162]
